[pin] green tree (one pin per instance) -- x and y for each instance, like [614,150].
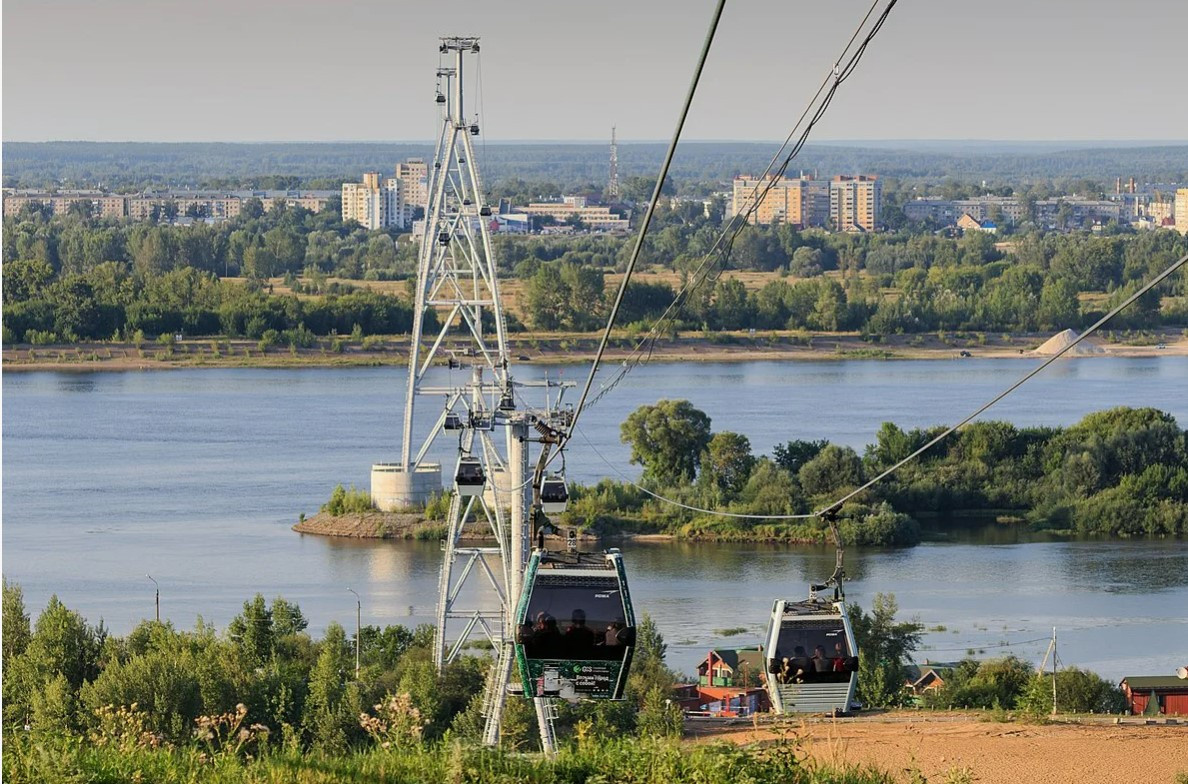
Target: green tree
[287,618]
[807,262]
[17,632]
[547,299]
[252,630]
[333,705]
[834,468]
[726,465]
[252,208]
[667,439]
[62,645]
[994,683]
[791,456]
[25,279]
[884,649]
[1077,691]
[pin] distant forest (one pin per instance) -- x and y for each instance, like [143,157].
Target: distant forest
[136,165]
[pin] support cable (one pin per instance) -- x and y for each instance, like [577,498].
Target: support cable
[724,244]
[647,219]
[836,505]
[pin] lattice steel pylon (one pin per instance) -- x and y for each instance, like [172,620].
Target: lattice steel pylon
[457,299]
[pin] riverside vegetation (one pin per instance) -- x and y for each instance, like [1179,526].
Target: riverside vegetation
[1119,473]
[264,701]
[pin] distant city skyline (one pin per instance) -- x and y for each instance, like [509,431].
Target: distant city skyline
[134,70]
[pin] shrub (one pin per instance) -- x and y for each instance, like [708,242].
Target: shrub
[343,501]
[1077,691]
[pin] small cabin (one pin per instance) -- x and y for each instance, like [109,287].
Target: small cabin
[927,678]
[1156,695]
[732,667]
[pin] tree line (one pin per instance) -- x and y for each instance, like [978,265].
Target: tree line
[264,700]
[303,164]
[909,281]
[65,676]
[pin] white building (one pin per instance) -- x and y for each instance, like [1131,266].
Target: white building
[375,203]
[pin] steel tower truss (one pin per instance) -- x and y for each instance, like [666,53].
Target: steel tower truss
[456,279]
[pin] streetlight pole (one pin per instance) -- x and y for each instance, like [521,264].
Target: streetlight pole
[358,624]
[158,596]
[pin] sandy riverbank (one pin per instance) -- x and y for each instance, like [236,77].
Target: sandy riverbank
[991,752]
[387,525]
[558,348]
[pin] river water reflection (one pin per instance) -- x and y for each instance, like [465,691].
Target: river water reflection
[196,476]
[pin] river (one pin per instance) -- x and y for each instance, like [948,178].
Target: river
[195,476]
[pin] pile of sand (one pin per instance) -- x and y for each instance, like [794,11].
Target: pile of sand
[1060,340]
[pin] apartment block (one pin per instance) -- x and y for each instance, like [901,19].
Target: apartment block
[207,205]
[1076,212]
[414,173]
[798,201]
[1181,211]
[596,218]
[375,203]
[855,203]
[946,212]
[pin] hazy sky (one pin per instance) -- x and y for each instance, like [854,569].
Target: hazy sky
[251,70]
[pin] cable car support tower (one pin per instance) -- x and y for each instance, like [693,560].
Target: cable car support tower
[458,317]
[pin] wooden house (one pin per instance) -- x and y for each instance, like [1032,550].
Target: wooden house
[1155,695]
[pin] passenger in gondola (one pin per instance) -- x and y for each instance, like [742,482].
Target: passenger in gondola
[524,637]
[547,638]
[785,673]
[579,638]
[821,663]
[839,657]
[801,665]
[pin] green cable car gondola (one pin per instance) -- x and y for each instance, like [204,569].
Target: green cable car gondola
[576,626]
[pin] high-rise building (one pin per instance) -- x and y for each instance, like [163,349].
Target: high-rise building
[855,203]
[375,203]
[799,201]
[414,173]
[1181,211]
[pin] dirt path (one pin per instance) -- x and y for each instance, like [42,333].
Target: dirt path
[995,753]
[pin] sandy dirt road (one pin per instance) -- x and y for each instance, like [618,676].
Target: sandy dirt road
[992,752]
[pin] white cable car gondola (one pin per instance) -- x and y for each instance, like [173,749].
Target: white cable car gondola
[811,657]
[576,626]
[554,495]
[470,478]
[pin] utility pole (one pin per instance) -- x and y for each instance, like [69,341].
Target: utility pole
[1044,666]
[358,628]
[157,597]
[1053,670]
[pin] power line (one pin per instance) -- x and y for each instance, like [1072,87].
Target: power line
[1015,644]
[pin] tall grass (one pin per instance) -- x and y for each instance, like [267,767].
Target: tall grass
[58,760]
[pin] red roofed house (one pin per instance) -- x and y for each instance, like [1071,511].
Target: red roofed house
[730,683]
[1169,693]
